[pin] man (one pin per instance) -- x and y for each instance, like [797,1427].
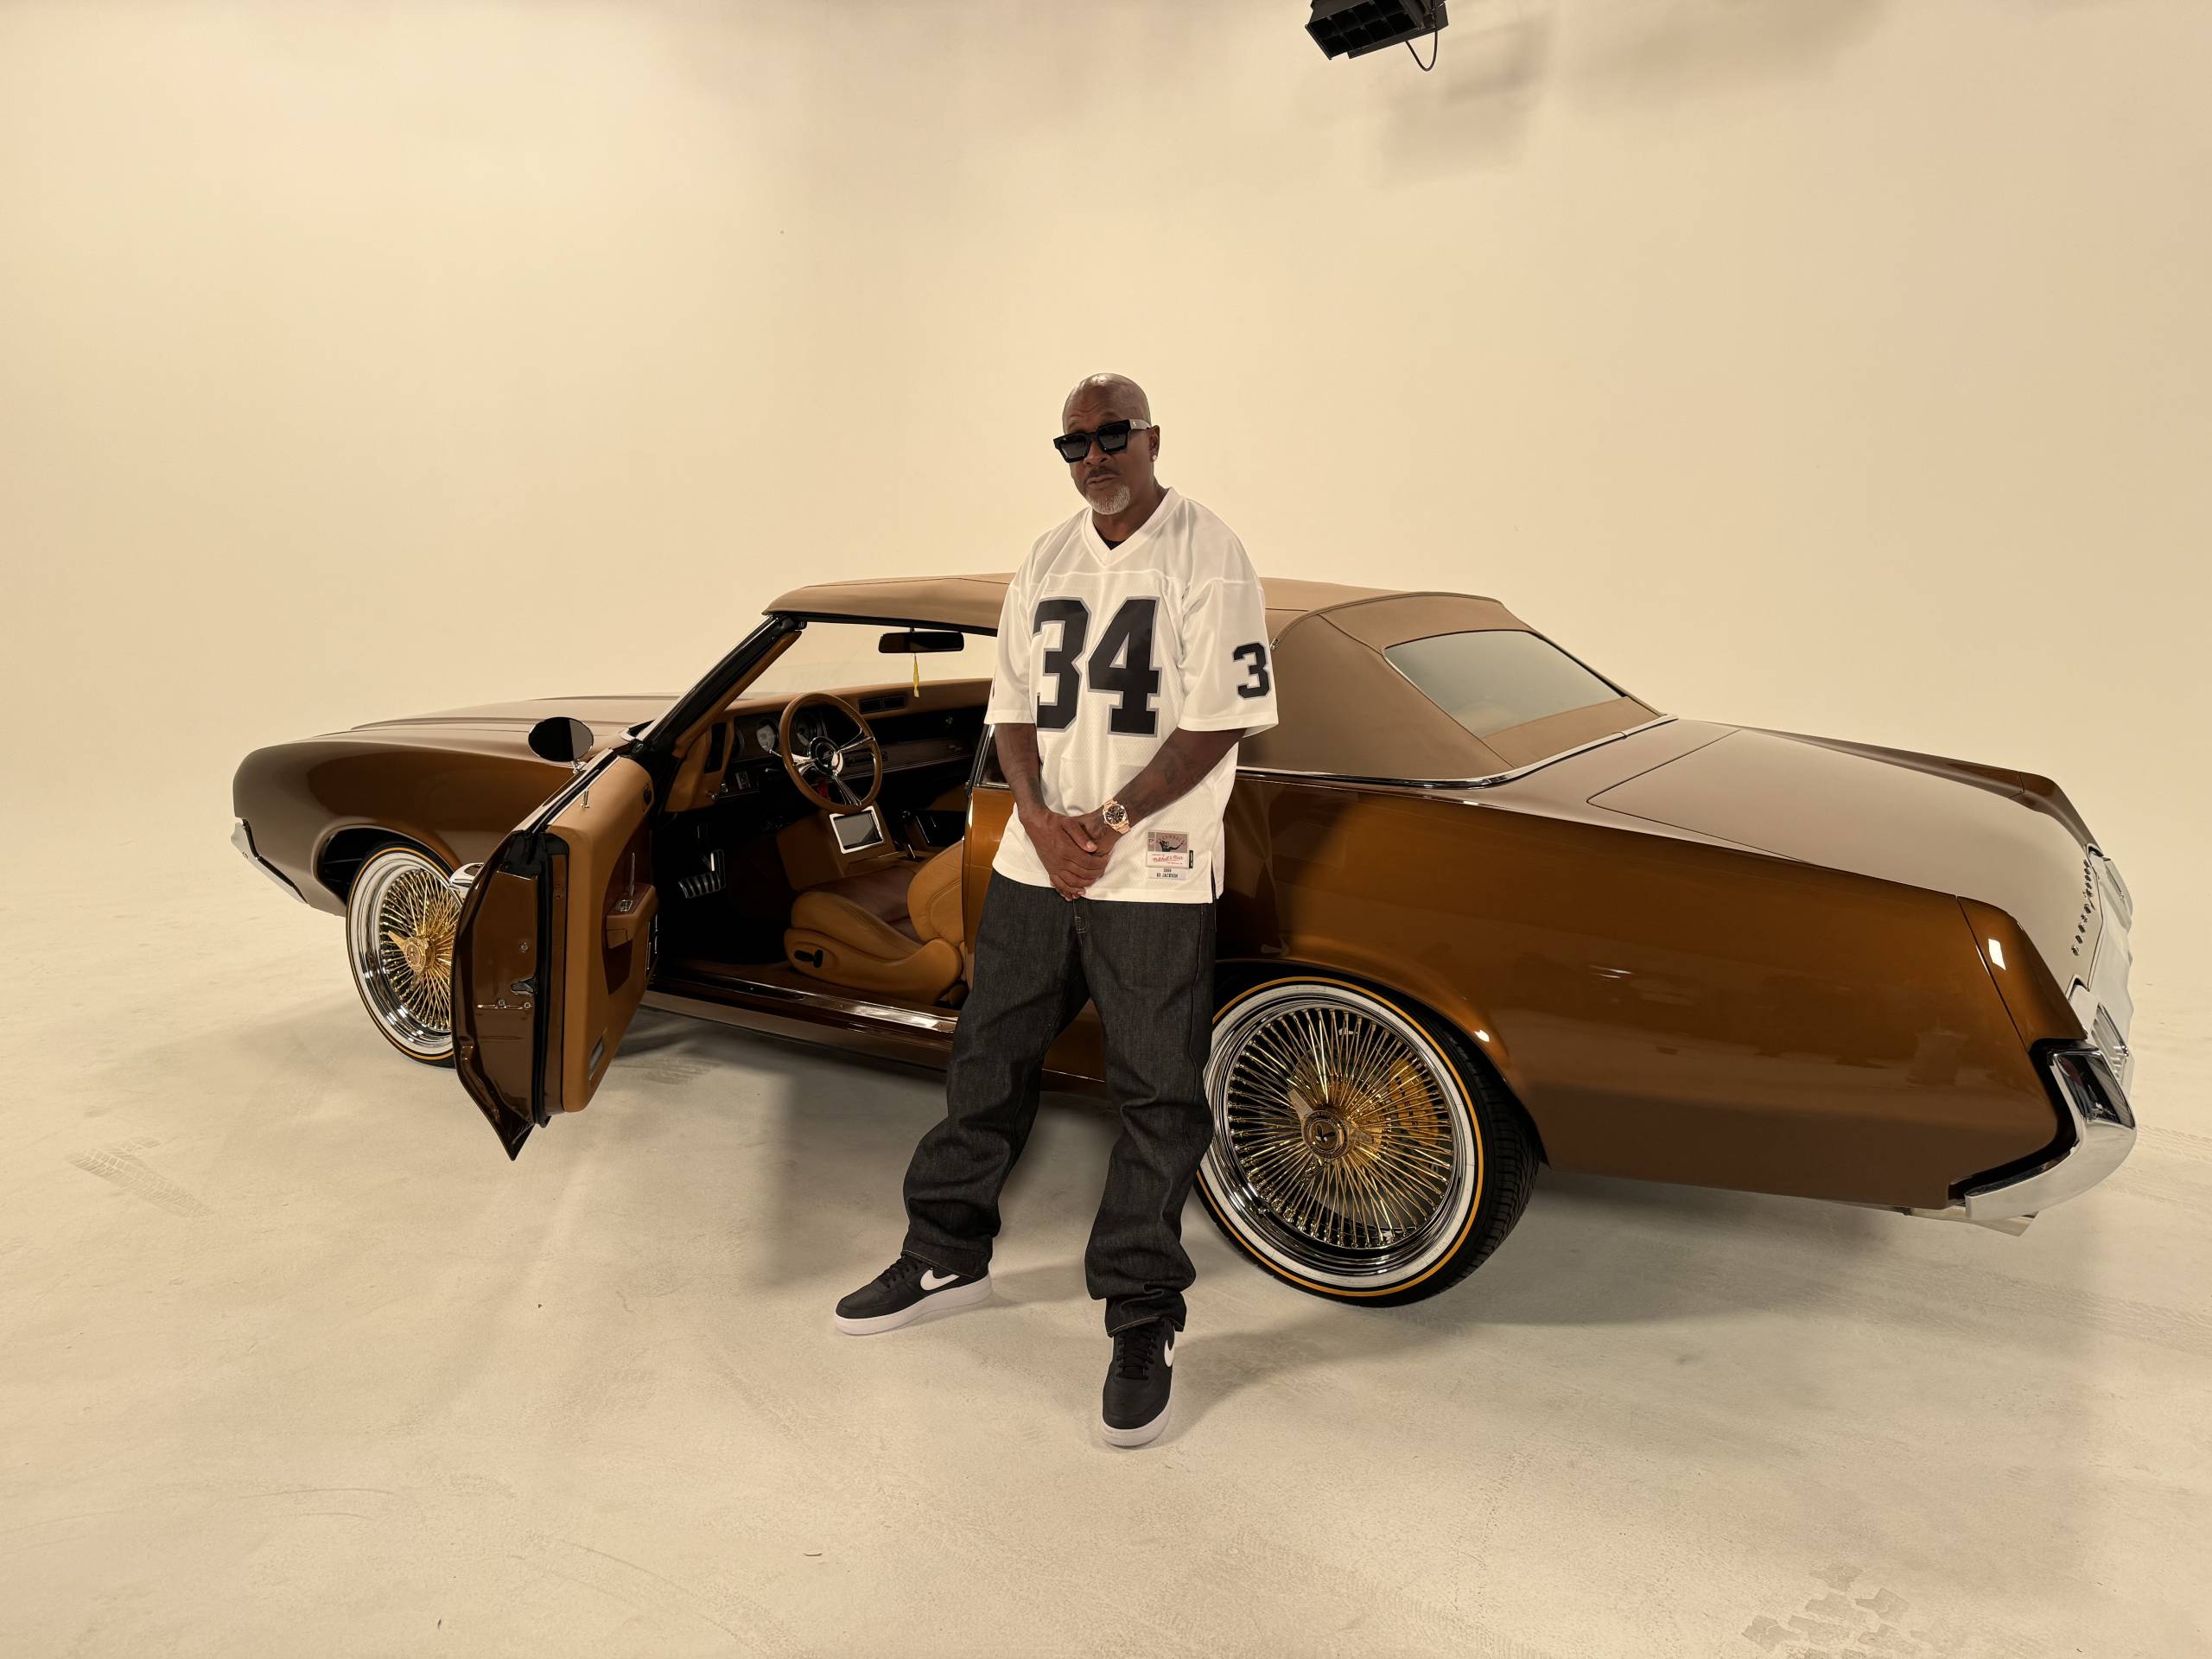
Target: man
[1132,654]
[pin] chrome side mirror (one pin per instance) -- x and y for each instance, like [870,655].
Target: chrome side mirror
[561,737]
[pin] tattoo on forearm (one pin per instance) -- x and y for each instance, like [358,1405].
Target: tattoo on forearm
[1175,768]
[1019,761]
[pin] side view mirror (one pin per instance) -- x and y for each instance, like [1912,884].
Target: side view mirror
[912,639]
[559,737]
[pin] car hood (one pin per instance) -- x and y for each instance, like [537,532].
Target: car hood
[607,716]
[1980,832]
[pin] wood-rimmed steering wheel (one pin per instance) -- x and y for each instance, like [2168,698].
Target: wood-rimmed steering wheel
[826,763]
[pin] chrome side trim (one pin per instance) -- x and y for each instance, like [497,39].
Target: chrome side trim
[465,878]
[1300,775]
[1489,782]
[982,754]
[242,838]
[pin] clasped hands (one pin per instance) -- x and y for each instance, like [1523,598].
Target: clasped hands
[1074,848]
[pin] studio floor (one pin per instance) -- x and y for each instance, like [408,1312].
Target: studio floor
[297,1362]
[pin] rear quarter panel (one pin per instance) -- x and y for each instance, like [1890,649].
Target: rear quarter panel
[1663,1006]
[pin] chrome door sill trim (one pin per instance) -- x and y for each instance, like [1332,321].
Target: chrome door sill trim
[829,1002]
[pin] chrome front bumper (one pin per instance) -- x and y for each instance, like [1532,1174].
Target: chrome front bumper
[242,838]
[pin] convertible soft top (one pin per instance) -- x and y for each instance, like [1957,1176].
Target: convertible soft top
[1345,711]
[973,601]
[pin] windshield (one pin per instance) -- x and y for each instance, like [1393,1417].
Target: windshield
[833,654]
[1496,678]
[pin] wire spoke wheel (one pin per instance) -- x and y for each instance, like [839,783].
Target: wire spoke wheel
[399,924]
[1348,1154]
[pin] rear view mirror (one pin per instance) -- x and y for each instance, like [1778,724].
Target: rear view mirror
[914,639]
[560,738]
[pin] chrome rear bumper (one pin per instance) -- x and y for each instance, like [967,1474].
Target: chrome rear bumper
[2103,1127]
[2089,1080]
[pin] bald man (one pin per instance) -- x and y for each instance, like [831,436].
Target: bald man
[1132,654]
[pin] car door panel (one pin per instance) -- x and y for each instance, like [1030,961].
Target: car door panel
[554,950]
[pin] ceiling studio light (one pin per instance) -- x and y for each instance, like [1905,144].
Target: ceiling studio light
[1354,28]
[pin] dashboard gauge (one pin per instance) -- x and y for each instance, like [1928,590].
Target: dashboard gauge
[767,738]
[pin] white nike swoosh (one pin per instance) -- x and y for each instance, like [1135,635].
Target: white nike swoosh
[932,1280]
[1168,1353]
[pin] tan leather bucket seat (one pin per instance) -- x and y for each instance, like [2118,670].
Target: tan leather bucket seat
[896,928]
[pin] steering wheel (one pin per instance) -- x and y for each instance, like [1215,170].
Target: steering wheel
[825,764]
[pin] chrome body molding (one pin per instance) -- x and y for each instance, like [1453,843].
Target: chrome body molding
[242,838]
[1490,782]
[982,755]
[465,878]
[1365,781]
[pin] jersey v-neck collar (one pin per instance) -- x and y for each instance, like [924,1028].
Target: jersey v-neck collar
[1143,533]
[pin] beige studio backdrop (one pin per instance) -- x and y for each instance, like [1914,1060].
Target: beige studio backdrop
[1838,365]
[1841,366]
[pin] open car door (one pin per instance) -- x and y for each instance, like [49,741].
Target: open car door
[555,944]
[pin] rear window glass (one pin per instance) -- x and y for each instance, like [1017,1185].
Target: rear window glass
[1496,678]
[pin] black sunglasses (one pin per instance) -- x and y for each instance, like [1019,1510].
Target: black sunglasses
[1113,438]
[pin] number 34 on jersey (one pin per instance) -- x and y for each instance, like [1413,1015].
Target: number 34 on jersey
[1118,666]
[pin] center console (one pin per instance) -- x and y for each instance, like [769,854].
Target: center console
[826,847]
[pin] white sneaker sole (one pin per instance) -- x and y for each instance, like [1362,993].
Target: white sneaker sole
[955,1296]
[1142,1434]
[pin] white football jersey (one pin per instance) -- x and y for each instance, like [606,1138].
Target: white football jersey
[1107,649]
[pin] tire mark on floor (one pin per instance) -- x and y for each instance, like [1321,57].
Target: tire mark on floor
[133,1175]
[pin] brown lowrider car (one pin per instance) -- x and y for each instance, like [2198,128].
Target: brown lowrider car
[1483,908]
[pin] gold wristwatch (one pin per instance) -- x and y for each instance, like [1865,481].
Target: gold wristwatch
[1115,817]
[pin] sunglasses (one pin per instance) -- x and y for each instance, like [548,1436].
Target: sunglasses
[1113,438]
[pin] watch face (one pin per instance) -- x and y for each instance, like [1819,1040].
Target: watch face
[1116,814]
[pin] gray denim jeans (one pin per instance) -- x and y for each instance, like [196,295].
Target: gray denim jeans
[1039,957]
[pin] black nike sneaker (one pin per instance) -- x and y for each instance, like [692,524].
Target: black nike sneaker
[904,1291]
[1135,1407]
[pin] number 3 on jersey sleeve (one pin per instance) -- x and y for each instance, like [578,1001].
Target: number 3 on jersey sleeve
[1259,682]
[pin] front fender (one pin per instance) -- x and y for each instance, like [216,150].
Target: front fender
[303,799]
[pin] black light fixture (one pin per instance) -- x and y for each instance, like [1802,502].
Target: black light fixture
[1354,28]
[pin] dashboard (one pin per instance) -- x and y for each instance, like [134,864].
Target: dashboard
[739,756]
